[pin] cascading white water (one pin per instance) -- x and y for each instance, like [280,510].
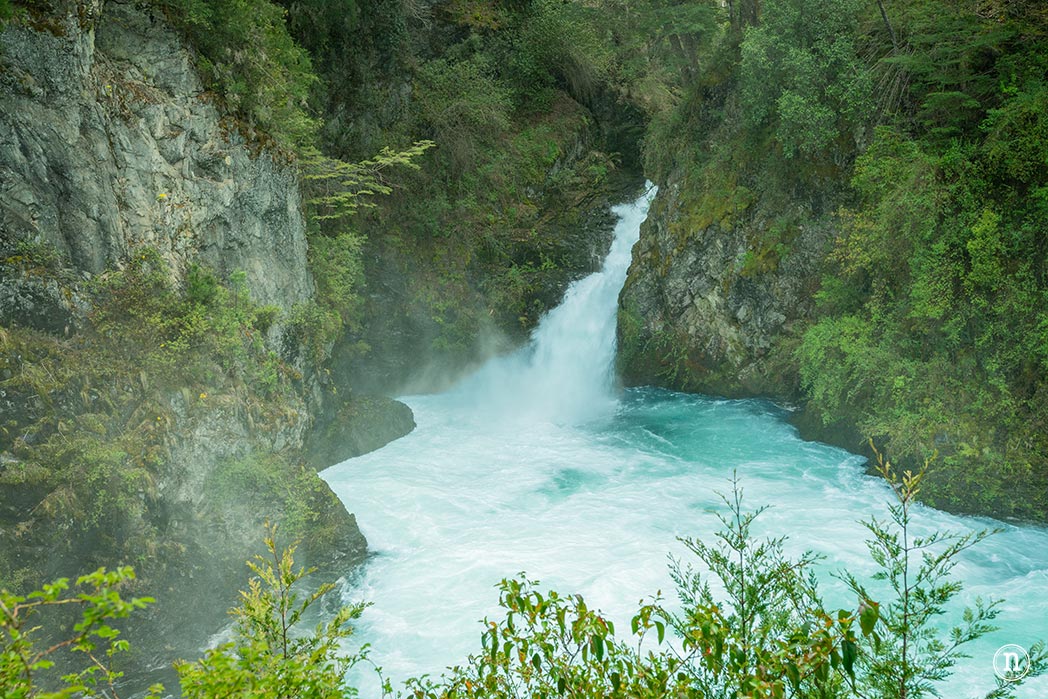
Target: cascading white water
[565,374]
[534,465]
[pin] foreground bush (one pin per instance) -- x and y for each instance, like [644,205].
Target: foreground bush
[269,656]
[26,653]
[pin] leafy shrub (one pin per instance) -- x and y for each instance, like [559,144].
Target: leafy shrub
[141,317]
[269,656]
[463,104]
[801,76]
[92,639]
[201,285]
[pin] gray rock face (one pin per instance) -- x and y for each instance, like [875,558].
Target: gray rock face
[107,143]
[714,308]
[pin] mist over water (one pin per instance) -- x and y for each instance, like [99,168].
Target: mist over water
[536,463]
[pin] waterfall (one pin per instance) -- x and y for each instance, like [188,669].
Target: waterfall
[565,374]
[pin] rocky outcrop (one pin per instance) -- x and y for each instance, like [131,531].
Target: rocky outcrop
[223,478]
[357,426]
[714,300]
[108,141]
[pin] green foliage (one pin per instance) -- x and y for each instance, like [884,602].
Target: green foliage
[929,330]
[94,477]
[314,329]
[555,44]
[201,286]
[270,655]
[325,26]
[25,656]
[682,33]
[339,273]
[272,487]
[940,74]
[768,636]
[337,188]
[901,205]
[89,436]
[254,66]
[36,254]
[549,645]
[800,75]
[495,95]
[911,652]
[463,105]
[496,232]
[140,317]
[929,326]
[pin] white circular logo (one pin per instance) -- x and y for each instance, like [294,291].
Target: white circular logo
[1011,662]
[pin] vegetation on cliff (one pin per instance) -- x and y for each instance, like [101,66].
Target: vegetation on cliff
[918,130]
[932,321]
[92,414]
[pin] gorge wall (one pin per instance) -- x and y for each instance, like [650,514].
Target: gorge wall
[110,146]
[709,307]
[110,142]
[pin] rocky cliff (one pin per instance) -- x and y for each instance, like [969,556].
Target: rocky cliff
[717,294]
[109,146]
[109,142]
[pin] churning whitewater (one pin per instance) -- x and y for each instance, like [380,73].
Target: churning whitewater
[538,463]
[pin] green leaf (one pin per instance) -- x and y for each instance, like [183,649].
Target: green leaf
[850,652]
[869,612]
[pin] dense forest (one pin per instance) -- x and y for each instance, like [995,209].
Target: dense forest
[880,167]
